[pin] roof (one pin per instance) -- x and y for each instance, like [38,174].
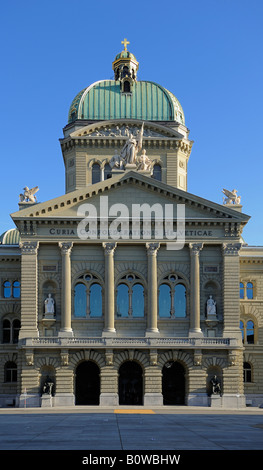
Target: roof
[62,205]
[10,237]
[104,100]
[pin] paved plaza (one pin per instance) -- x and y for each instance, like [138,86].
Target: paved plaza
[175,428]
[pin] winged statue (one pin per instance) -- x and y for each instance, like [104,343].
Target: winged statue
[231,197]
[29,194]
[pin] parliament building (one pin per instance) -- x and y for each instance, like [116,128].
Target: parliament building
[101,304]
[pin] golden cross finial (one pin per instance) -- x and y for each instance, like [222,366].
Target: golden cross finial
[125,42]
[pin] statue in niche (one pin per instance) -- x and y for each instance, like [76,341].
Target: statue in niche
[49,305]
[48,386]
[216,386]
[131,147]
[211,306]
[116,161]
[144,163]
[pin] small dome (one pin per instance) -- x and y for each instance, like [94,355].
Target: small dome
[125,55]
[10,237]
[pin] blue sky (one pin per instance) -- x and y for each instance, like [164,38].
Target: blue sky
[207,52]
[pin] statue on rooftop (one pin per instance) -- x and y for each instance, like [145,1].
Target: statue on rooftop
[231,197]
[29,194]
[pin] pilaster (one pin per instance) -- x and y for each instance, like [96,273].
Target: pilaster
[231,281]
[29,290]
[152,313]
[109,326]
[65,329]
[195,249]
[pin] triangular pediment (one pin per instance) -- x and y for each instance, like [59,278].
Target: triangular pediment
[119,129]
[131,188]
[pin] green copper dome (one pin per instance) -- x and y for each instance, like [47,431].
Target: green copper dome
[147,101]
[10,237]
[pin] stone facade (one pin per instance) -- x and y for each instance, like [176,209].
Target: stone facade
[124,345]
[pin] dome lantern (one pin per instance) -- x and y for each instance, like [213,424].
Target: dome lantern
[125,68]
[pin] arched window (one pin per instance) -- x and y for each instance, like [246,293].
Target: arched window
[6,331]
[122,300]
[157,172]
[10,372]
[126,87]
[10,331]
[250,332]
[16,328]
[107,171]
[80,300]
[172,297]
[88,297]
[242,291]
[247,372]
[180,300]
[249,290]
[137,300]
[95,173]
[11,289]
[164,300]
[7,289]
[95,300]
[16,289]
[241,326]
[130,297]
[246,290]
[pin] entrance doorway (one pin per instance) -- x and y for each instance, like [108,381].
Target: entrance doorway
[173,384]
[87,384]
[130,384]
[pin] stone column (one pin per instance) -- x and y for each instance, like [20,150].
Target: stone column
[29,290]
[231,281]
[152,313]
[65,329]
[195,329]
[109,327]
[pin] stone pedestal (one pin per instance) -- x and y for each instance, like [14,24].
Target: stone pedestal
[46,401]
[109,399]
[153,399]
[64,399]
[130,166]
[197,399]
[215,401]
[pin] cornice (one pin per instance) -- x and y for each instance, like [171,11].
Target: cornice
[215,212]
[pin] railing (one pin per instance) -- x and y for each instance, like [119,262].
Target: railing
[104,342]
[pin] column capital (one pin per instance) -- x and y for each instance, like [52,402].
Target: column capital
[29,248]
[231,249]
[65,247]
[152,248]
[195,248]
[109,248]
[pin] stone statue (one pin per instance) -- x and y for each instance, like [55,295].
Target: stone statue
[116,161]
[211,306]
[216,387]
[144,163]
[29,195]
[231,197]
[48,386]
[131,147]
[49,304]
